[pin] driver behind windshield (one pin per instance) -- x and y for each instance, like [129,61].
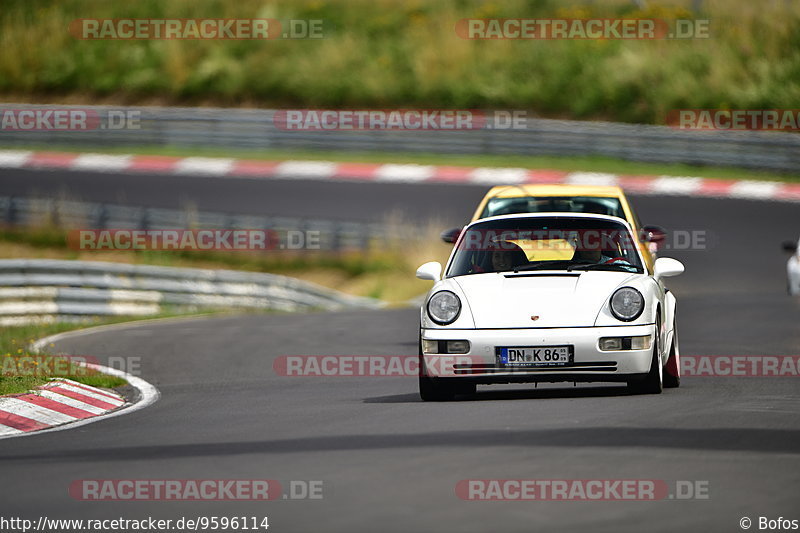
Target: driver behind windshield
[502,256]
[508,257]
[594,254]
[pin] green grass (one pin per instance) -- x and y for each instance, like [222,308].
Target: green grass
[570,164]
[17,384]
[20,375]
[394,53]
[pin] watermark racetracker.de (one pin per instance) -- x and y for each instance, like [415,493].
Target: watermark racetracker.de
[366,365]
[735,119]
[196,29]
[581,239]
[65,366]
[743,366]
[581,29]
[68,119]
[209,239]
[551,490]
[454,363]
[195,490]
[399,119]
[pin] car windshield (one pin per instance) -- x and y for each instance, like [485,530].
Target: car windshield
[554,204]
[545,243]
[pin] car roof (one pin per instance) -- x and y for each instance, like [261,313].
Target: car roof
[515,191]
[553,215]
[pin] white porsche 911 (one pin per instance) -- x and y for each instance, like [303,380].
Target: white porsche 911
[547,297]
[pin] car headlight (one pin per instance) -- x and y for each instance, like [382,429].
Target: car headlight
[627,304]
[444,307]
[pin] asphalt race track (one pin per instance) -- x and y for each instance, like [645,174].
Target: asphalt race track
[389,462]
[357,201]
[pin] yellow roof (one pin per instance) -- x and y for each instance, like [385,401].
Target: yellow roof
[513,191]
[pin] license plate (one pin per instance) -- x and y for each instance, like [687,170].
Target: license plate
[535,356]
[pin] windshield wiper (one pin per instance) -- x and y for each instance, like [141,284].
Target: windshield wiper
[603,266]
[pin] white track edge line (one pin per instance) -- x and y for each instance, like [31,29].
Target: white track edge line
[148,393]
[337,177]
[148,396]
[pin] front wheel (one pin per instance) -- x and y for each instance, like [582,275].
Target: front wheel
[435,390]
[440,389]
[653,383]
[672,372]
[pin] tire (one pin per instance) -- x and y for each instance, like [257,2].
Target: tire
[432,389]
[672,372]
[465,388]
[653,382]
[436,390]
[440,389]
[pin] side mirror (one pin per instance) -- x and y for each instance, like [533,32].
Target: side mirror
[653,234]
[450,235]
[789,246]
[430,271]
[666,267]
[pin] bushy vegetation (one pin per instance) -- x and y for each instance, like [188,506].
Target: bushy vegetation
[392,53]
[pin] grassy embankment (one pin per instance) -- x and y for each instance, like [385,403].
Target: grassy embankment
[391,53]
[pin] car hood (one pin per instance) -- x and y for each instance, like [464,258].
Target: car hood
[557,299]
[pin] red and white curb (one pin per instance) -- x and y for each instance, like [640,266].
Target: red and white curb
[60,401]
[394,173]
[65,404]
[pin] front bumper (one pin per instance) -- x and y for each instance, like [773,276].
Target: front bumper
[588,363]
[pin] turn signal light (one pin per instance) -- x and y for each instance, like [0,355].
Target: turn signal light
[618,344]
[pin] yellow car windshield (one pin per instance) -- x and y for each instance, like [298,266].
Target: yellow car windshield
[554,204]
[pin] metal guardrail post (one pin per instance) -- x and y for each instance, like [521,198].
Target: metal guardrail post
[101,222]
[11,211]
[336,237]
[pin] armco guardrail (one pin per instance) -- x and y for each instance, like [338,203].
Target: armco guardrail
[255,128]
[37,288]
[293,233]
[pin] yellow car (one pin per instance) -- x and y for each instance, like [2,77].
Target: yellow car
[604,200]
